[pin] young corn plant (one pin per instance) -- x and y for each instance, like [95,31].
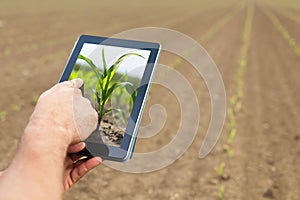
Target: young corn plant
[34,99]
[107,85]
[16,107]
[228,150]
[231,119]
[221,169]
[232,134]
[221,194]
[3,116]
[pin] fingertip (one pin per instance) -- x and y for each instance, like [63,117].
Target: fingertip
[94,162]
[99,159]
[80,145]
[76,147]
[74,83]
[77,83]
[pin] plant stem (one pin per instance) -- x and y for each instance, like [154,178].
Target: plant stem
[101,111]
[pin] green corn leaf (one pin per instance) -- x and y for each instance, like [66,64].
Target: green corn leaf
[110,74]
[133,96]
[103,60]
[129,87]
[98,98]
[92,65]
[108,110]
[132,92]
[132,100]
[122,58]
[110,91]
[112,109]
[126,78]
[105,82]
[112,70]
[104,67]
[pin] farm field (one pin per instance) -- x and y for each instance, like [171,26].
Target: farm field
[256,46]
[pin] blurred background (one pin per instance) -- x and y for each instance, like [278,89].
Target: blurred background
[255,44]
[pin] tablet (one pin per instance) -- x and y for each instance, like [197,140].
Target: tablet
[117,75]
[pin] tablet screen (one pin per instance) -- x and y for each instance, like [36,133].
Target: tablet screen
[111,78]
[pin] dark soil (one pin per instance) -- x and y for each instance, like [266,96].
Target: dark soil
[108,132]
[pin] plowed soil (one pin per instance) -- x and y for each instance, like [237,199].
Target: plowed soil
[37,37]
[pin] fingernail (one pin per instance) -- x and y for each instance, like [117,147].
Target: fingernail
[80,144]
[99,159]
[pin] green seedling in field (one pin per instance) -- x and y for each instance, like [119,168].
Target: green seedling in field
[16,107]
[221,170]
[236,100]
[233,100]
[221,194]
[232,135]
[107,85]
[231,119]
[228,150]
[238,107]
[240,93]
[3,116]
[34,99]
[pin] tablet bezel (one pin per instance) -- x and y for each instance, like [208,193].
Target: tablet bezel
[124,152]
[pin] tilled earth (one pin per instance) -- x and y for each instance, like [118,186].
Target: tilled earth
[37,37]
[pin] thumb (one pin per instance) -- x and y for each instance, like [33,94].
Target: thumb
[75,83]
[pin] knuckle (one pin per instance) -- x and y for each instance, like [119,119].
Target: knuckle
[87,102]
[77,91]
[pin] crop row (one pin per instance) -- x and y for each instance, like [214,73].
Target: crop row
[215,28]
[290,15]
[236,100]
[54,42]
[283,32]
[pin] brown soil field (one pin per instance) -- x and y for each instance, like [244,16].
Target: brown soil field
[264,157]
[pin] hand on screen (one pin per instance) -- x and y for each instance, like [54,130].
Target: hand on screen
[46,163]
[64,107]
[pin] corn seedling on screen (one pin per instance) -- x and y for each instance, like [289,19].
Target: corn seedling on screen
[111,77]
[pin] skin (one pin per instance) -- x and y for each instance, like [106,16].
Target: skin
[45,165]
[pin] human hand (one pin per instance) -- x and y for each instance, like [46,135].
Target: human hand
[77,166]
[45,163]
[65,109]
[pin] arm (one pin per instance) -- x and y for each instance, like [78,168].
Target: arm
[41,167]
